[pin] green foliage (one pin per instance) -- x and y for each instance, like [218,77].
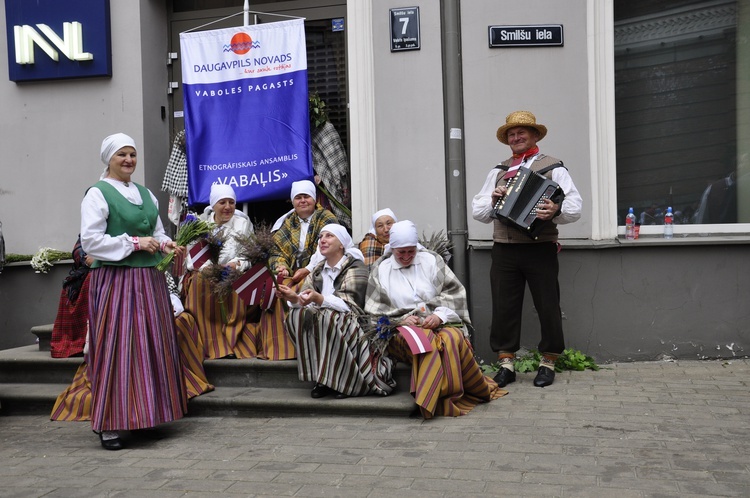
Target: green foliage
[570,359]
[318,113]
[17,258]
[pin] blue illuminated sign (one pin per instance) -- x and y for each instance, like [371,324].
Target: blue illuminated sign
[56,39]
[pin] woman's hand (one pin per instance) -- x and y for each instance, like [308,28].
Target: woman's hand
[411,321]
[172,246]
[148,244]
[310,296]
[300,275]
[88,260]
[232,264]
[287,293]
[281,272]
[432,322]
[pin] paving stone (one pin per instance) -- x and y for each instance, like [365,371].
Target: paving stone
[652,429]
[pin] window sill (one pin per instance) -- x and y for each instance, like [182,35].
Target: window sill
[642,241]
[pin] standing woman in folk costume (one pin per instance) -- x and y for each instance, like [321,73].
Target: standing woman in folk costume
[136,381]
[374,242]
[295,237]
[222,322]
[324,323]
[413,286]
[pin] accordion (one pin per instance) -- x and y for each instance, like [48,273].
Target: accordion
[526,191]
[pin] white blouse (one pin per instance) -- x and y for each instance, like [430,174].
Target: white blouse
[414,285]
[94,214]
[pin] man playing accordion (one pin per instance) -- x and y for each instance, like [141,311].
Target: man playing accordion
[518,259]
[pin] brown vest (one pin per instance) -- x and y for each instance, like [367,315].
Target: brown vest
[511,235]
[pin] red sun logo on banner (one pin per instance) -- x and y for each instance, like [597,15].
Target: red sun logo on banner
[241,43]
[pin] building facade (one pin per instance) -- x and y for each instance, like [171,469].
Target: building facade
[646,102]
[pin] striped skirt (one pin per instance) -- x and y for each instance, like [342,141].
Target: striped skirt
[221,336]
[71,323]
[330,352]
[448,380]
[191,355]
[134,359]
[74,403]
[274,341]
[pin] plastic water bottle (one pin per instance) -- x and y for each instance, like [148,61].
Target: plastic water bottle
[668,224]
[630,225]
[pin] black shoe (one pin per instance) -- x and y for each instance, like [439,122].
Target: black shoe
[111,444]
[544,377]
[341,396]
[504,377]
[320,391]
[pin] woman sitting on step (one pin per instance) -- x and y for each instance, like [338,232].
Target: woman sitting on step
[222,323]
[324,323]
[295,236]
[414,287]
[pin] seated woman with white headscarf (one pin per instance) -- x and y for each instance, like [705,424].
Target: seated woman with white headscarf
[414,287]
[221,323]
[324,323]
[295,237]
[374,242]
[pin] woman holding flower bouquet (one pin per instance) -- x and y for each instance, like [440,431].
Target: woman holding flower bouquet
[134,360]
[295,237]
[220,314]
[324,323]
[413,286]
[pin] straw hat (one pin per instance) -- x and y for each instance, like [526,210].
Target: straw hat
[520,118]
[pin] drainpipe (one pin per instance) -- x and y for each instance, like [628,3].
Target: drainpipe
[455,171]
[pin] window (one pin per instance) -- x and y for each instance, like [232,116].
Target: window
[683,110]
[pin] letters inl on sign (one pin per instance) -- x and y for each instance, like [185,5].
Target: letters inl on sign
[71,44]
[56,39]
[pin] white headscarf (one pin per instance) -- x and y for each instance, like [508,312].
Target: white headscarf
[300,187]
[382,212]
[303,187]
[346,240]
[403,234]
[221,191]
[113,143]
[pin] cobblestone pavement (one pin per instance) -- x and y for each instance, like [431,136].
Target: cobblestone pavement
[630,429]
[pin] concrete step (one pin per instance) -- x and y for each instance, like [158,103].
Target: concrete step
[39,398]
[28,364]
[30,381]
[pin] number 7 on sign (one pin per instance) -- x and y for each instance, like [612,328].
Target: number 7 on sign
[405,23]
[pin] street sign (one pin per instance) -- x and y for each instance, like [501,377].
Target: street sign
[405,29]
[526,36]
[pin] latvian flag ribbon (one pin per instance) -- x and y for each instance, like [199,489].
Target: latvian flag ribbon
[417,338]
[253,284]
[199,254]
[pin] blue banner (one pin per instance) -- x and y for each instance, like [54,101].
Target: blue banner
[246,110]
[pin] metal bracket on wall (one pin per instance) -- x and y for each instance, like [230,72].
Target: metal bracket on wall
[172,86]
[171,56]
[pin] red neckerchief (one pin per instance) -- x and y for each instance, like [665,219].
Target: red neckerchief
[519,159]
